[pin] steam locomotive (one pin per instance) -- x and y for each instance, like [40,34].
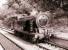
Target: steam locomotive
[30,27]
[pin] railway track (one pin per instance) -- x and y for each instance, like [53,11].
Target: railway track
[51,46]
[45,46]
[39,48]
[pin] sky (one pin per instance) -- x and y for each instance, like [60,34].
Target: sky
[3,3]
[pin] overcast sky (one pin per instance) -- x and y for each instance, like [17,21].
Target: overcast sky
[3,4]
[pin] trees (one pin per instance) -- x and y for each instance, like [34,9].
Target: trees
[28,5]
